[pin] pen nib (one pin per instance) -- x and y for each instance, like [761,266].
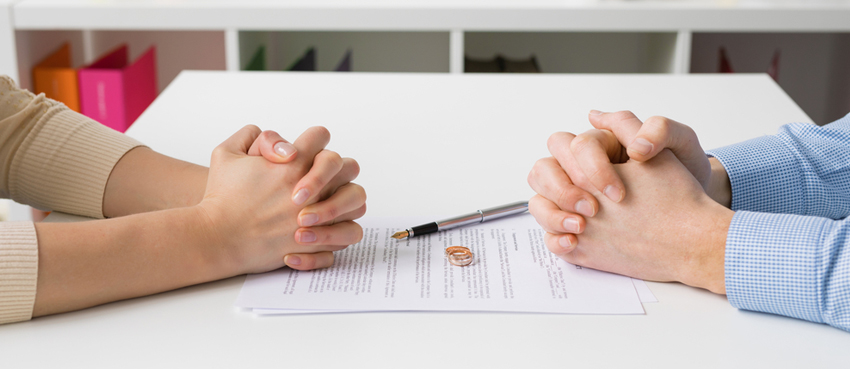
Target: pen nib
[400,234]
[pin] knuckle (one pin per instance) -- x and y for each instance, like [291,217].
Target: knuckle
[530,177]
[330,259]
[566,196]
[358,233]
[313,183]
[331,159]
[556,221]
[253,129]
[537,165]
[594,175]
[552,245]
[659,123]
[581,143]
[623,115]
[573,259]
[321,131]
[360,193]
[534,206]
[535,170]
[335,159]
[218,152]
[325,237]
[688,132]
[270,136]
[559,138]
[354,165]
[556,137]
[331,212]
[264,135]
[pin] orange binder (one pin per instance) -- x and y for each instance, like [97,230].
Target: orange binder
[55,77]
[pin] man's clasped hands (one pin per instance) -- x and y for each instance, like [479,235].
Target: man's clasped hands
[638,198]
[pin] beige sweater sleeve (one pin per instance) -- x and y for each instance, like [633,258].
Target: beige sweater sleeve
[54,159]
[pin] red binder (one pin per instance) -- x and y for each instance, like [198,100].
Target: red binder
[115,93]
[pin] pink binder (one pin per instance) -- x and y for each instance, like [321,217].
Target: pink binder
[114,93]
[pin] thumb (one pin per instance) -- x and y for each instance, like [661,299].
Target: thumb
[239,143]
[273,148]
[623,124]
[658,133]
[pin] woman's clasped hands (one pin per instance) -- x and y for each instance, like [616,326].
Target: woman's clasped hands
[270,203]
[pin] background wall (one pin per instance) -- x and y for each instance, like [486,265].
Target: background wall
[814,68]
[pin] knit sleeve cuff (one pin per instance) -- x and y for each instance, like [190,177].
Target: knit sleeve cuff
[18,271]
[70,161]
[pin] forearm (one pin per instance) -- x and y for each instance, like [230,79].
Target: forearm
[144,180]
[90,263]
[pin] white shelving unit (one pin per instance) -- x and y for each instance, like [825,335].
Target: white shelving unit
[8,62]
[567,36]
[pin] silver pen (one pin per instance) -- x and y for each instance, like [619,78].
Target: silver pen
[480,216]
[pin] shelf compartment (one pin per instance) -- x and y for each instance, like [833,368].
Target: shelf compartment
[580,52]
[371,51]
[176,50]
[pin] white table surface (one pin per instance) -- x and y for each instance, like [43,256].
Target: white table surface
[433,145]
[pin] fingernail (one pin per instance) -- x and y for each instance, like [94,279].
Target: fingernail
[641,145]
[583,207]
[571,225]
[613,193]
[284,149]
[306,236]
[595,112]
[565,242]
[292,260]
[301,196]
[309,219]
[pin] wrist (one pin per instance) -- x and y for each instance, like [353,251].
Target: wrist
[706,268]
[216,248]
[719,187]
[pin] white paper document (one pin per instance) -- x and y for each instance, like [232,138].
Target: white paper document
[512,272]
[643,291]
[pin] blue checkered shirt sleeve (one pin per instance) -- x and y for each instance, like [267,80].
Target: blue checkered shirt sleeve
[788,246]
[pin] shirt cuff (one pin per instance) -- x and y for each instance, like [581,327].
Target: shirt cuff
[765,176]
[66,165]
[18,271]
[773,264]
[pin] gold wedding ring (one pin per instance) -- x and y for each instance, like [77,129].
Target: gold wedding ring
[459,255]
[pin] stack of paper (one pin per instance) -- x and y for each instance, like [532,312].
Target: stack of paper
[512,272]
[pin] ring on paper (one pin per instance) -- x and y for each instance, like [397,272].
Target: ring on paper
[459,255]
